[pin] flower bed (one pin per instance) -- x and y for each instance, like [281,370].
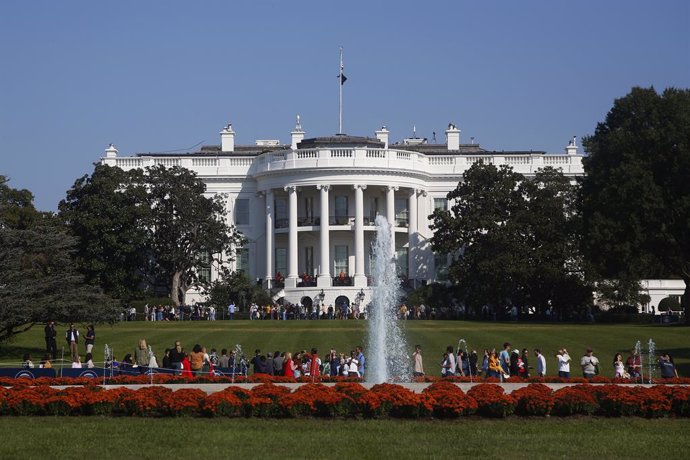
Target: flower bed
[439,400]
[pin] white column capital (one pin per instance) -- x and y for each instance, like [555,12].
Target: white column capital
[290,188]
[392,188]
[421,192]
[359,186]
[324,187]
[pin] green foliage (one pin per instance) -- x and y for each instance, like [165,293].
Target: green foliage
[104,212]
[435,294]
[16,206]
[147,228]
[669,303]
[514,239]
[635,196]
[236,287]
[185,229]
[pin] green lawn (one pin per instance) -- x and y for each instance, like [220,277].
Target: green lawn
[434,336]
[120,438]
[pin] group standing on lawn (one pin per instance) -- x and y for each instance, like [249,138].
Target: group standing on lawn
[509,362]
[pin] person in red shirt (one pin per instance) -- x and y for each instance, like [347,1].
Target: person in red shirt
[314,364]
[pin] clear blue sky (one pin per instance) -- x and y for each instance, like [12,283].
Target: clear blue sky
[164,75]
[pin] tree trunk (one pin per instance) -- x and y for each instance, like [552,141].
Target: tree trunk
[175,289]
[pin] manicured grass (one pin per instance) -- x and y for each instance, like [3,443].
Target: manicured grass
[434,336]
[95,437]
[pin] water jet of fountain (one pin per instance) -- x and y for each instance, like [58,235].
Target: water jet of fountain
[651,349]
[386,344]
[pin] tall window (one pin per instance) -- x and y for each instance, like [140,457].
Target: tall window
[401,262]
[242,260]
[203,270]
[373,210]
[341,266]
[309,210]
[242,211]
[309,260]
[281,261]
[341,210]
[441,264]
[281,213]
[441,204]
[400,212]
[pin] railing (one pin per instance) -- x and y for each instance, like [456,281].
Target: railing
[369,158]
[129,163]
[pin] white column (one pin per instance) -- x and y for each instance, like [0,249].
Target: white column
[412,234]
[291,280]
[360,277]
[324,279]
[269,237]
[390,213]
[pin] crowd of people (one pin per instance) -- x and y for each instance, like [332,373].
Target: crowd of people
[511,362]
[508,362]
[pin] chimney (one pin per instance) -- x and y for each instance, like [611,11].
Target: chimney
[382,135]
[297,135]
[227,139]
[453,137]
[111,151]
[571,148]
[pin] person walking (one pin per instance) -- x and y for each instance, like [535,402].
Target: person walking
[418,362]
[231,311]
[90,338]
[541,363]
[589,364]
[563,363]
[72,338]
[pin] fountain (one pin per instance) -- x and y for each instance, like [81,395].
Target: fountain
[638,353]
[651,349]
[388,358]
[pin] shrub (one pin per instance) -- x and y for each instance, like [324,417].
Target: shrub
[449,400]
[492,400]
[574,400]
[535,399]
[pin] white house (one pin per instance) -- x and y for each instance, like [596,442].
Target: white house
[307,209]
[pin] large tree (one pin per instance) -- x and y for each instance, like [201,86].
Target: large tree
[147,228]
[511,239]
[38,279]
[106,212]
[635,195]
[186,229]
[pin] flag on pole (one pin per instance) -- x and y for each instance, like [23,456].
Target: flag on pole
[342,76]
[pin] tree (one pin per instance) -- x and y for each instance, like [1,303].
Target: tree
[106,213]
[635,195]
[480,230]
[238,288]
[38,280]
[186,230]
[512,239]
[16,206]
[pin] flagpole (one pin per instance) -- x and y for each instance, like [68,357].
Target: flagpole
[340,87]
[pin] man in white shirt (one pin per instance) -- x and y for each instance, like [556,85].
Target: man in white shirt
[541,363]
[590,365]
[231,310]
[563,363]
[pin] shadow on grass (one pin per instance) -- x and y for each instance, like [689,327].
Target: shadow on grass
[10,352]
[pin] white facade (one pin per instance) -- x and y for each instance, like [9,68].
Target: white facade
[280,195]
